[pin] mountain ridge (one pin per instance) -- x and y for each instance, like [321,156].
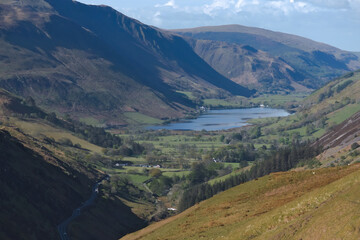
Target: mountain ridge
[61,48]
[312,63]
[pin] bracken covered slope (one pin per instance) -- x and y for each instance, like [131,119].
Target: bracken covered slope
[313,204]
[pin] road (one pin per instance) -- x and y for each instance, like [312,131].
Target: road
[62,227]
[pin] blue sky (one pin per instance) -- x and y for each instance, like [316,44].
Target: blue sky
[336,22]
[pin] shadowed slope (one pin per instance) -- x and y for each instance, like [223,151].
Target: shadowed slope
[92,60]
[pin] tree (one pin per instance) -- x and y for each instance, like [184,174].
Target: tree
[155,172]
[255,132]
[198,173]
[354,146]
[29,101]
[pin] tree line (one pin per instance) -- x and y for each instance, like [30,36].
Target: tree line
[282,159]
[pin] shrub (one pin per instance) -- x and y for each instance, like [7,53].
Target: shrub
[354,146]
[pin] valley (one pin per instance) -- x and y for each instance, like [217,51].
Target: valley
[114,129]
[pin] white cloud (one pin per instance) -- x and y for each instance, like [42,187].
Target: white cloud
[240,4]
[156,19]
[330,3]
[170,3]
[332,21]
[216,5]
[273,7]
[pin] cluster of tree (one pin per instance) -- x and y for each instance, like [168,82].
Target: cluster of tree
[245,135]
[282,159]
[201,172]
[127,150]
[95,135]
[342,86]
[98,136]
[334,88]
[234,153]
[67,142]
[160,185]
[203,191]
[122,186]
[231,138]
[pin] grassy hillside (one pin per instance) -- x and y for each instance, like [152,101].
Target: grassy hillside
[316,204]
[318,113]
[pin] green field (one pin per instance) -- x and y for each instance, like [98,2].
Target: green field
[138,118]
[272,100]
[40,129]
[344,113]
[189,95]
[220,102]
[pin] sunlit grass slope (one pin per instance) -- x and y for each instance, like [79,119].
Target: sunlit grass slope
[316,204]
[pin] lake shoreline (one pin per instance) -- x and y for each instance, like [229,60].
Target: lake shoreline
[221,119]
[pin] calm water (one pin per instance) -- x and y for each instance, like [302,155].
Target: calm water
[223,119]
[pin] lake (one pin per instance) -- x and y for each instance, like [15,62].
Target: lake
[223,119]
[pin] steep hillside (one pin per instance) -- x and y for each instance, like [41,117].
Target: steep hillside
[250,67]
[38,190]
[94,61]
[344,133]
[46,172]
[311,63]
[320,112]
[316,204]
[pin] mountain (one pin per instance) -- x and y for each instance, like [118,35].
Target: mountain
[94,61]
[297,63]
[312,204]
[250,67]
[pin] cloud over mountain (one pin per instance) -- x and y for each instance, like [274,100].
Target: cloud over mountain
[331,21]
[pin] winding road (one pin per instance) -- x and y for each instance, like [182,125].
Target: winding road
[62,227]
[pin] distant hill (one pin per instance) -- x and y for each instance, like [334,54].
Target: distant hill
[279,61]
[250,67]
[94,61]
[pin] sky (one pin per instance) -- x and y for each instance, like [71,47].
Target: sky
[335,22]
